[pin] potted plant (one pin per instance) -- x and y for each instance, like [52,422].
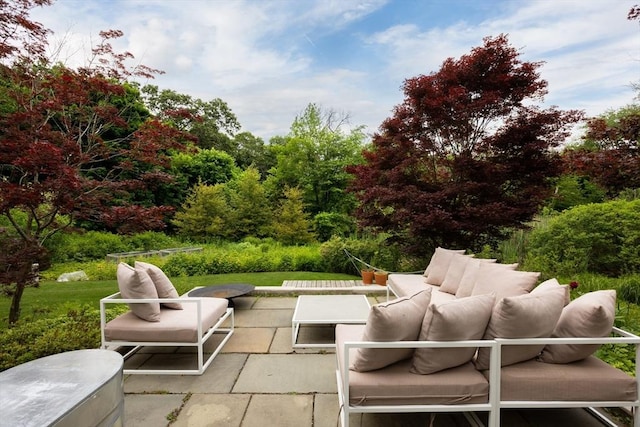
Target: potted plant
[381,277]
[367,276]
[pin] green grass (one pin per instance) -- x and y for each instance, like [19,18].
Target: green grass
[53,298]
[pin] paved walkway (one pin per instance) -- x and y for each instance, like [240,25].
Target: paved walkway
[259,381]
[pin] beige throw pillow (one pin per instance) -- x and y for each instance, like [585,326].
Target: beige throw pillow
[163,284]
[397,320]
[588,316]
[459,319]
[439,264]
[454,273]
[468,279]
[136,284]
[552,284]
[502,281]
[524,316]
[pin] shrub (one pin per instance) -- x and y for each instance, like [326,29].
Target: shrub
[630,289]
[337,261]
[600,238]
[30,340]
[85,246]
[329,224]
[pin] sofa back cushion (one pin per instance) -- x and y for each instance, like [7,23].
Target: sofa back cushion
[459,319]
[454,273]
[590,315]
[397,320]
[163,284]
[437,268]
[136,284]
[553,284]
[502,281]
[524,316]
[470,275]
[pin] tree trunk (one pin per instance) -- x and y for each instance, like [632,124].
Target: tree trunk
[14,311]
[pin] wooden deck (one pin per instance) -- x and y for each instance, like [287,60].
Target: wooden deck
[326,284]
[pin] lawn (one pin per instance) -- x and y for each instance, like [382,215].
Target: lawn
[53,298]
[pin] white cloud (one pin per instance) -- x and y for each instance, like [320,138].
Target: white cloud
[260,56]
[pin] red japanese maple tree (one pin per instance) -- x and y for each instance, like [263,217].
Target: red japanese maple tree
[466,156]
[68,150]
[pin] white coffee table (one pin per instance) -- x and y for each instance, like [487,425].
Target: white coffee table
[327,310]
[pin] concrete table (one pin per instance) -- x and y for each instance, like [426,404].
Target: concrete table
[76,388]
[327,310]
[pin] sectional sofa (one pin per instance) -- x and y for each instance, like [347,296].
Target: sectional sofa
[472,336]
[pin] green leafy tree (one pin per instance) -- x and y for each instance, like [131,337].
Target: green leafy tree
[466,156]
[212,122]
[572,190]
[291,225]
[204,215]
[313,157]
[251,213]
[252,151]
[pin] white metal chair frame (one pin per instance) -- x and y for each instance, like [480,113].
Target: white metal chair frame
[494,404]
[203,336]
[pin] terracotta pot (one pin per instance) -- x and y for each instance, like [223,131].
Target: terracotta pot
[381,278]
[367,277]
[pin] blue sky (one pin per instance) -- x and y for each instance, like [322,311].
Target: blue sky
[268,59]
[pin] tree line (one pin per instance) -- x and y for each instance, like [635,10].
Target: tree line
[467,156]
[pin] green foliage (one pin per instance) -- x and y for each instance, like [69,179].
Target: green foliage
[244,257]
[336,260]
[630,290]
[574,190]
[205,213]
[328,224]
[206,166]
[602,238]
[313,157]
[250,213]
[85,246]
[291,225]
[95,245]
[29,340]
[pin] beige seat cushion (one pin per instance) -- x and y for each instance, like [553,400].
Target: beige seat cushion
[174,325]
[135,284]
[395,385]
[590,315]
[524,316]
[470,275]
[397,320]
[586,380]
[437,268]
[163,284]
[457,320]
[405,285]
[502,281]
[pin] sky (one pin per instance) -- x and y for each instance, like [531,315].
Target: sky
[269,59]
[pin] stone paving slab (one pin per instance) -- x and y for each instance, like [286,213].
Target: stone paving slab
[249,340]
[279,410]
[288,373]
[213,410]
[218,378]
[275,303]
[138,413]
[326,410]
[262,318]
